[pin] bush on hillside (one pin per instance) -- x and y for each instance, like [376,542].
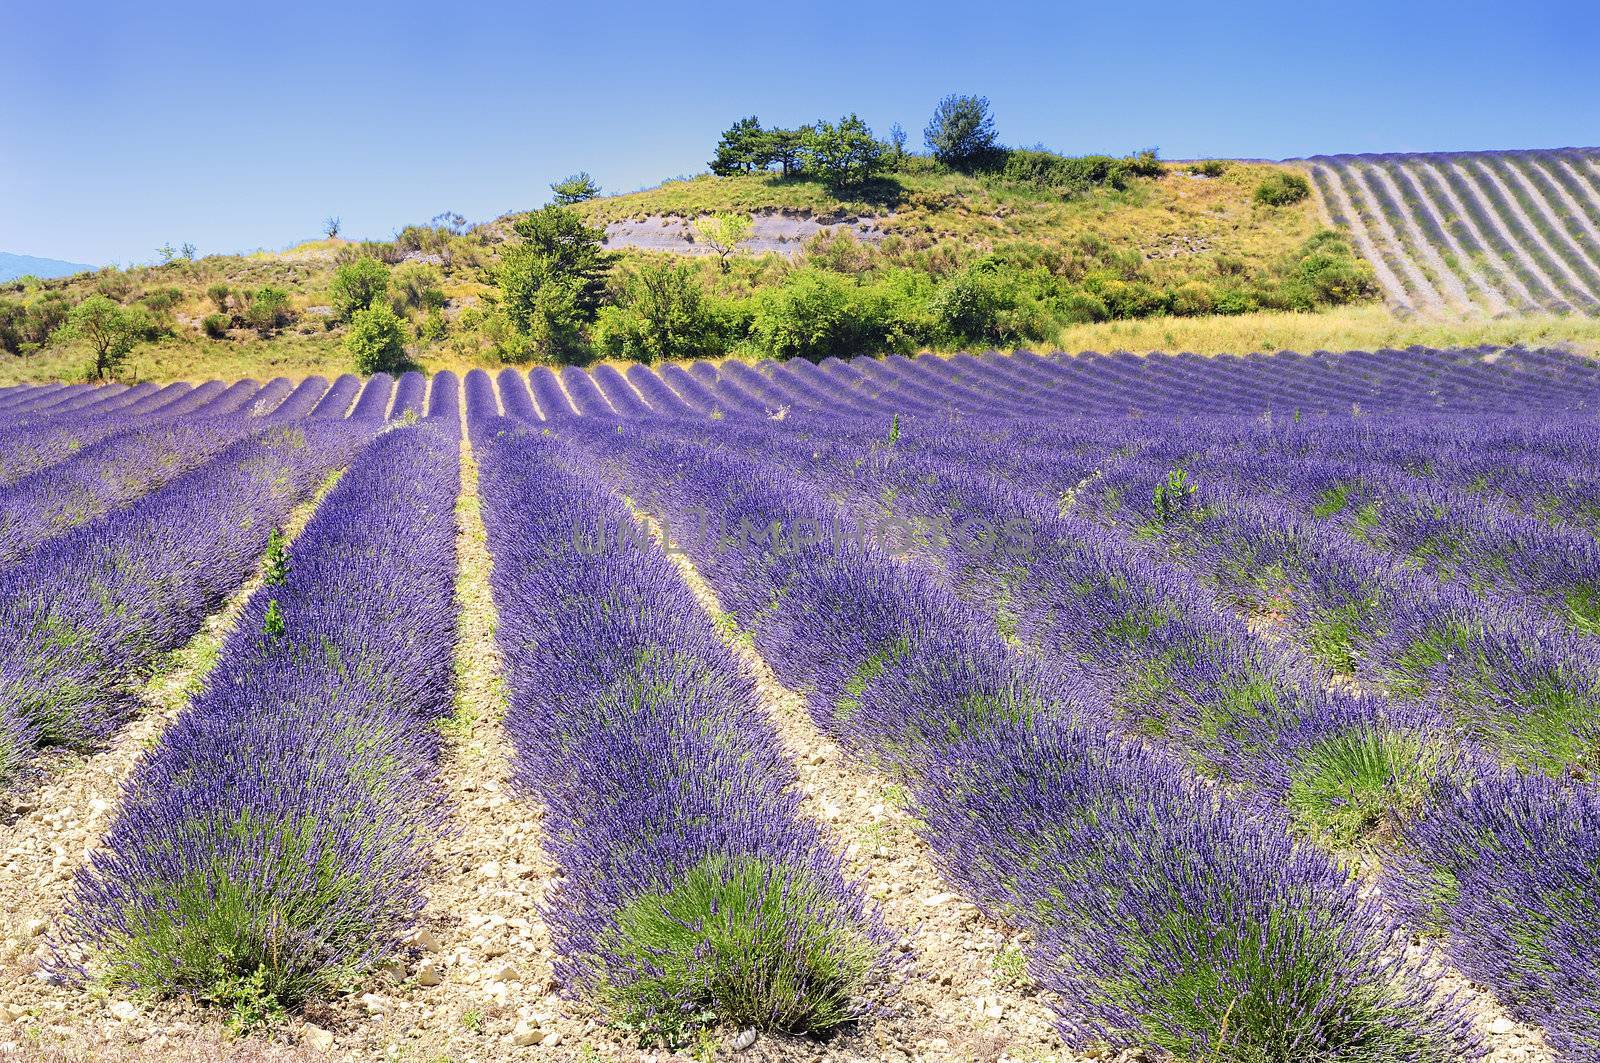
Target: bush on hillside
[218,294]
[661,311]
[268,309]
[961,132]
[552,284]
[816,313]
[418,285]
[357,285]
[1281,188]
[1066,173]
[376,342]
[26,326]
[216,325]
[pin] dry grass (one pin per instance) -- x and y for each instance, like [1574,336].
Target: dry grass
[1364,327]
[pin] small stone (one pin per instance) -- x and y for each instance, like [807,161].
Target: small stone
[123,1011]
[937,899]
[317,1037]
[526,1034]
[373,1004]
[34,927]
[9,1014]
[428,974]
[745,1039]
[490,870]
[1502,1025]
[504,973]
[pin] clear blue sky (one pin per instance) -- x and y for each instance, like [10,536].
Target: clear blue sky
[237,126]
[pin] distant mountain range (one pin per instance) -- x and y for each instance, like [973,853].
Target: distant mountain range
[14,266]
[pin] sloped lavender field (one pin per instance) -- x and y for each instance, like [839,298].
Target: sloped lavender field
[1474,234]
[1253,703]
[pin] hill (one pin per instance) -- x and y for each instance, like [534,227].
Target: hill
[1050,252]
[13,266]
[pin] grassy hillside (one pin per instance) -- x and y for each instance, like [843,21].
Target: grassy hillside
[1178,226]
[1156,257]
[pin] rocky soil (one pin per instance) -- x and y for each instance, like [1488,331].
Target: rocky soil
[782,232]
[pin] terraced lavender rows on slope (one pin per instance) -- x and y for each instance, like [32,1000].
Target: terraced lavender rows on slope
[1475,234]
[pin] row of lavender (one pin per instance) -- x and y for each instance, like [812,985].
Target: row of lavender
[276,843]
[693,889]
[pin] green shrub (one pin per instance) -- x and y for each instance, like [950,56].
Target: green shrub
[357,285]
[1083,307]
[660,312]
[376,342]
[432,327]
[1281,188]
[161,300]
[1193,298]
[1128,299]
[1208,168]
[1236,301]
[216,325]
[996,303]
[268,309]
[1065,173]
[815,314]
[418,285]
[552,283]
[218,294]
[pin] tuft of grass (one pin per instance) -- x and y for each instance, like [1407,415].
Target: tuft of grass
[744,942]
[1352,786]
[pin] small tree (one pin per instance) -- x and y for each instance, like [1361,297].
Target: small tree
[330,227]
[786,147]
[742,148]
[575,189]
[552,284]
[376,342]
[357,285]
[167,253]
[723,233]
[188,251]
[897,144]
[107,329]
[451,222]
[845,155]
[961,131]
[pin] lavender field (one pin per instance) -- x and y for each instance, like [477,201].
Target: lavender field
[1474,234]
[1023,707]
